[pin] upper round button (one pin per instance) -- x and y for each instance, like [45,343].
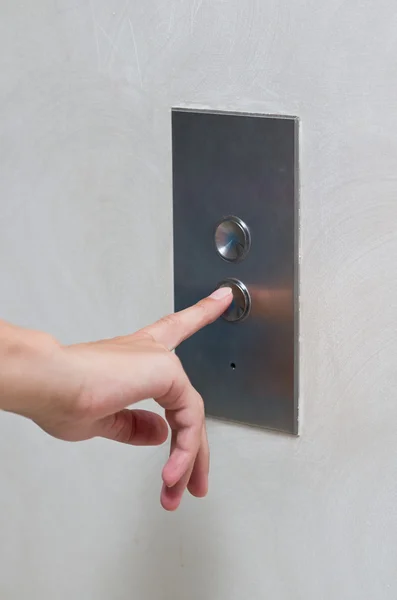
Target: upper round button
[232,239]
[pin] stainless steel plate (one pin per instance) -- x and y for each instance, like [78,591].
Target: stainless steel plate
[236,185]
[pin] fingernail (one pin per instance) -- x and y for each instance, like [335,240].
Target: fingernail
[221,293]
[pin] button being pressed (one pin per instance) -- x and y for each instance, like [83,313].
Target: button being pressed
[240,306]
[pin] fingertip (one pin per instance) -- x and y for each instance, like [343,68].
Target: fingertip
[222,293]
[135,427]
[175,467]
[154,430]
[170,498]
[169,475]
[198,489]
[162,432]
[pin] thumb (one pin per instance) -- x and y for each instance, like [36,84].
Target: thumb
[135,427]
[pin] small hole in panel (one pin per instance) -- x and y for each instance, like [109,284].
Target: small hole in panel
[233,366]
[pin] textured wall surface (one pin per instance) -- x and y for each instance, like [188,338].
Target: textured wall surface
[86,88]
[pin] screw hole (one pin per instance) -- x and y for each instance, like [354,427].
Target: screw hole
[233,365]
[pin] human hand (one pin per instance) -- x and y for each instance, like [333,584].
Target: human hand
[82,391]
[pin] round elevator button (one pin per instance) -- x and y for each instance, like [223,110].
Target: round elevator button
[240,307]
[232,239]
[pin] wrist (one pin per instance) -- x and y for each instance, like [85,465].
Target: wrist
[25,358]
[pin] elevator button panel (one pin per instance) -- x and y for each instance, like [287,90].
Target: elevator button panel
[235,224]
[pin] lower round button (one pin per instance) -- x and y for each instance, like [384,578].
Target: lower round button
[241,305]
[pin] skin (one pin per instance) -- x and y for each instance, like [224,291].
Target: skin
[84,391]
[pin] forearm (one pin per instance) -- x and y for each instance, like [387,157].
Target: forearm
[25,360]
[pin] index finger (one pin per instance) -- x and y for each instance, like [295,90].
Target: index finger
[174,329]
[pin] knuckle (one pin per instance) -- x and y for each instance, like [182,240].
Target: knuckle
[45,342]
[170,321]
[143,335]
[85,406]
[174,361]
[172,369]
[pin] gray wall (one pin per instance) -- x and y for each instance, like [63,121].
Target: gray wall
[85,93]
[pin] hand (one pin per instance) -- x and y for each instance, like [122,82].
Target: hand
[85,389]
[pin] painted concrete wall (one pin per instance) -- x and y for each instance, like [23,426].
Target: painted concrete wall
[85,190]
